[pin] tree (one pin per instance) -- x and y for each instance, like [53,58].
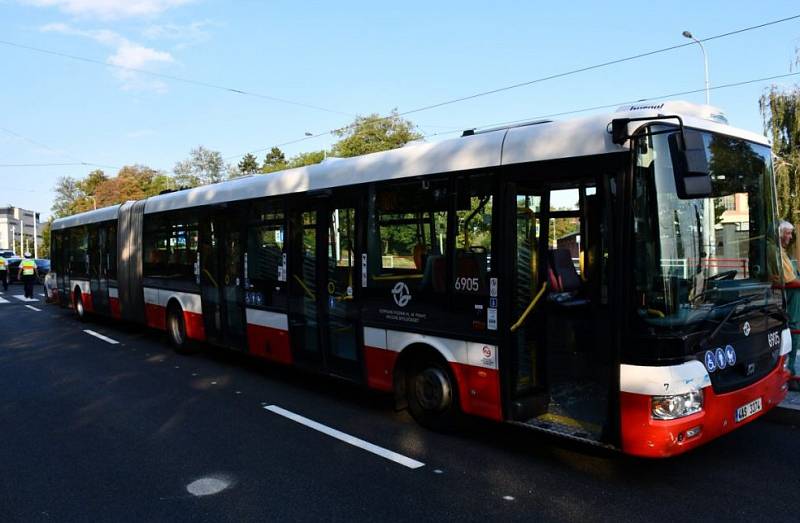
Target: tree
[248,165]
[275,160]
[67,197]
[202,167]
[44,248]
[373,133]
[303,159]
[780,109]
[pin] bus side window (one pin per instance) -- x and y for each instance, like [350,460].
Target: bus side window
[408,236]
[473,257]
[266,281]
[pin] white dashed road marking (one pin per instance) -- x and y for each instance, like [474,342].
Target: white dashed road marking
[21,297]
[98,335]
[31,307]
[208,486]
[3,300]
[347,438]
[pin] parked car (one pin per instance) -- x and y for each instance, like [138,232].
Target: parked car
[8,254]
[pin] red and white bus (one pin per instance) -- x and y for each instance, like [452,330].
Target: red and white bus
[444,273]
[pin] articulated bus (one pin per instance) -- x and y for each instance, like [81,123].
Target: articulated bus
[612,279]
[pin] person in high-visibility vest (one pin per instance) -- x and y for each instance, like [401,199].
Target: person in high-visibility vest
[4,273]
[28,274]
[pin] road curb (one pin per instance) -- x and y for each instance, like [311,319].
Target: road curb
[788,411]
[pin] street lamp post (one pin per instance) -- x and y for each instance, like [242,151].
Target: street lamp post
[689,35]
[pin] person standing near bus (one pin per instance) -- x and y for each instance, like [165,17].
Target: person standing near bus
[791,282]
[27,273]
[4,272]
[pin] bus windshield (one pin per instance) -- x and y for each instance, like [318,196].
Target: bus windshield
[696,259]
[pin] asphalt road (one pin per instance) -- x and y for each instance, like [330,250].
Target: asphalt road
[95,431]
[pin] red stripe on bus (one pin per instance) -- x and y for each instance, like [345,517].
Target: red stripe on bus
[155,316]
[269,343]
[195,328]
[478,390]
[113,303]
[380,367]
[88,303]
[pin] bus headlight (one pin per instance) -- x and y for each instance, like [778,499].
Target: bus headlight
[677,406]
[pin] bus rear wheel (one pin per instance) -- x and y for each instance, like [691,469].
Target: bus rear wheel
[176,330]
[80,310]
[431,395]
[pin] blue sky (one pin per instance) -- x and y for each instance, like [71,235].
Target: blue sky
[347,57]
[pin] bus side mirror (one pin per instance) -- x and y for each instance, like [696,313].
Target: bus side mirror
[690,165]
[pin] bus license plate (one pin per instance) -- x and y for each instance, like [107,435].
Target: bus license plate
[745,411]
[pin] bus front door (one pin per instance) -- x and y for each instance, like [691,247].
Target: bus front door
[526,378]
[561,368]
[222,279]
[322,270]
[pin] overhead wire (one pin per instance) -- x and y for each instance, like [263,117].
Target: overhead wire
[626,102]
[171,77]
[535,81]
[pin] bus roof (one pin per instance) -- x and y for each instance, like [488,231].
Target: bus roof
[587,136]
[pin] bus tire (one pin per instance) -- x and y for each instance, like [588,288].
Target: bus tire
[80,310]
[431,394]
[176,330]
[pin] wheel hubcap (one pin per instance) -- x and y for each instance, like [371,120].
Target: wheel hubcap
[433,390]
[175,329]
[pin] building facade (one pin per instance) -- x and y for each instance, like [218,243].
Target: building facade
[17,229]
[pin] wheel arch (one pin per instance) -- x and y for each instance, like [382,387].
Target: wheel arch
[414,353]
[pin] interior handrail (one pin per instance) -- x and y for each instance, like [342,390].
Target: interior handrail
[530,307]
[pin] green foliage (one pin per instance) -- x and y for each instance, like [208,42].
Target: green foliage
[44,248]
[780,109]
[133,182]
[67,198]
[203,166]
[248,165]
[275,160]
[373,133]
[306,159]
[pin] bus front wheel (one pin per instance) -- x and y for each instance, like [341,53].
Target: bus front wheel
[431,395]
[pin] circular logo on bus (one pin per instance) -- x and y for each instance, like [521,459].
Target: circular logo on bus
[711,362]
[401,294]
[721,361]
[746,328]
[730,355]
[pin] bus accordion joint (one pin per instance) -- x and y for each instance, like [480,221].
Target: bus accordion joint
[530,307]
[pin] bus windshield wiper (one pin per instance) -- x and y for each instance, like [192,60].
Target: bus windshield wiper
[733,304]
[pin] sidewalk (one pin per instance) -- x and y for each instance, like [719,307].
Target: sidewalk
[792,401]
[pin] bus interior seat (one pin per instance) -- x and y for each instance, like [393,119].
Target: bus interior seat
[564,279]
[471,265]
[435,273]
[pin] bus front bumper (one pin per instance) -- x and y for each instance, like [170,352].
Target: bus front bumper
[641,435]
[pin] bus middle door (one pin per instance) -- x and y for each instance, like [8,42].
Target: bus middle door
[222,279]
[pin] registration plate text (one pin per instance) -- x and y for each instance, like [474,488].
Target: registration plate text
[745,411]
